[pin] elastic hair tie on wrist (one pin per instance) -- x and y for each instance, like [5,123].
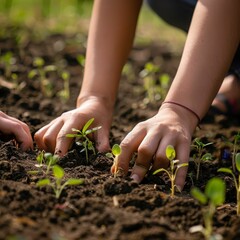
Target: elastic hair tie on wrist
[190,110]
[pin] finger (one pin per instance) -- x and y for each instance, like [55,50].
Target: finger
[63,143]
[18,129]
[50,137]
[39,136]
[24,125]
[146,151]
[183,151]
[101,138]
[129,145]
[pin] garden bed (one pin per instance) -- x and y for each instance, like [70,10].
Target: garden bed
[103,207]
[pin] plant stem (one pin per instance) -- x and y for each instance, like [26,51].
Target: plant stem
[238,197]
[233,158]
[198,168]
[172,178]
[208,216]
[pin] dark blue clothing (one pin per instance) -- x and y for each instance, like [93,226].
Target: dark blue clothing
[179,14]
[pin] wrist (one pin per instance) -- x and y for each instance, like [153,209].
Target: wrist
[103,100]
[185,114]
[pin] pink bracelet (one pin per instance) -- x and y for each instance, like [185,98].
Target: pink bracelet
[190,110]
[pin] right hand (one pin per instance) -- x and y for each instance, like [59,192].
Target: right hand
[52,137]
[12,127]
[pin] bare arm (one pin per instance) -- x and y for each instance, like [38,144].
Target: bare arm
[213,38]
[212,41]
[111,35]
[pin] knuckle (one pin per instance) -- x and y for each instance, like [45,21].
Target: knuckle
[144,150]
[160,156]
[125,143]
[47,139]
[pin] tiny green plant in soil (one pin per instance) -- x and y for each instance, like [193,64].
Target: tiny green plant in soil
[156,86]
[82,139]
[236,182]
[65,92]
[234,149]
[213,196]
[114,154]
[41,71]
[200,156]
[45,162]
[56,184]
[174,167]
[8,61]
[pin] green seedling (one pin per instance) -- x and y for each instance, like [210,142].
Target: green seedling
[82,139]
[81,60]
[57,184]
[174,167]
[213,196]
[65,93]
[156,87]
[46,8]
[114,154]
[236,182]
[8,61]
[200,155]
[45,161]
[41,71]
[234,149]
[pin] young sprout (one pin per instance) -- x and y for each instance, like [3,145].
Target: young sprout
[156,87]
[81,60]
[8,61]
[174,166]
[57,184]
[45,161]
[200,156]
[150,82]
[81,137]
[41,71]
[234,147]
[214,195]
[236,182]
[65,93]
[116,151]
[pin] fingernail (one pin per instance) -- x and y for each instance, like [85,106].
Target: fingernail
[135,178]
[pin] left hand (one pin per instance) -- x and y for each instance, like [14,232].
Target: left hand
[170,126]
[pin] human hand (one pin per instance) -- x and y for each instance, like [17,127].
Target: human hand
[52,137]
[12,127]
[170,126]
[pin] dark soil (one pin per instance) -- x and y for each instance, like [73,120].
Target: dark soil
[103,207]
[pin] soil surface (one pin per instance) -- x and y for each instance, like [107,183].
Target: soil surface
[103,207]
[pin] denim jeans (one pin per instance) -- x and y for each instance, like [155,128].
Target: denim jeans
[178,13]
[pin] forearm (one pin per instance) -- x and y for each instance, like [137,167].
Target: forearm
[110,39]
[211,43]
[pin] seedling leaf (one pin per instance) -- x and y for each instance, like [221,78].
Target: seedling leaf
[182,165]
[58,172]
[237,159]
[225,170]
[215,191]
[170,152]
[109,155]
[87,125]
[207,156]
[71,135]
[116,150]
[74,181]
[199,195]
[43,182]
